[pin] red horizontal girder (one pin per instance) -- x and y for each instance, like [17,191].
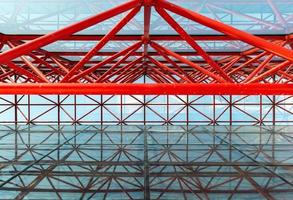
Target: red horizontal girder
[121,37]
[152,89]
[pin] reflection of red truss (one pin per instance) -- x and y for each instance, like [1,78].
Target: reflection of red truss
[37,71]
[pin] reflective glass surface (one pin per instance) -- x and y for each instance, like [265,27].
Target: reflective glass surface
[146,162]
[45,16]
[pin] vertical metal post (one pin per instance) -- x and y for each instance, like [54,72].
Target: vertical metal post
[146,167]
[230,110]
[15,110]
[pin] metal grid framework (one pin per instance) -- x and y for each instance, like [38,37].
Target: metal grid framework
[223,60]
[147,109]
[151,162]
[144,63]
[266,59]
[254,16]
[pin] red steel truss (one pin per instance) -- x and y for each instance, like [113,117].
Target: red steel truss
[265,68]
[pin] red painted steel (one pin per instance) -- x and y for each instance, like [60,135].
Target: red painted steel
[67,31]
[115,56]
[192,43]
[186,61]
[226,29]
[151,89]
[120,37]
[265,68]
[101,43]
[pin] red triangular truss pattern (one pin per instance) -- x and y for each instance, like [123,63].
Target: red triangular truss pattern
[26,66]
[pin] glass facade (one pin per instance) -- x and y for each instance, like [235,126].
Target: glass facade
[146,162]
[43,16]
[148,109]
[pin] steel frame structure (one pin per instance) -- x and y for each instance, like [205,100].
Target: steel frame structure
[267,61]
[152,162]
[147,109]
[273,17]
[147,66]
[69,100]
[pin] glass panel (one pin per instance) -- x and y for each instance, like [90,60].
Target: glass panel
[156,162]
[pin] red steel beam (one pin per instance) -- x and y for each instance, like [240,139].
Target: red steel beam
[259,68]
[21,71]
[66,31]
[151,70]
[164,50]
[165,76]
[108,74]
[147,24]
[110,59]
[6,74]
[174,64]
[93,62]
[147,89]
[124,70]
[228,30]
[107,53]
[192,43]
[138,37]
[165,68]
[117,64]
[45,63]
[131,75]
[154,78]
[101,43]
[254,59]
[270,72]
[35,69]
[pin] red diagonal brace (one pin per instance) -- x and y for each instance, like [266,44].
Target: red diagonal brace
[174,64]
[102,43]
[117,64]
[165,68]
[30,65]
[192,43]
[21,71]
[133,63]
[101,64]
[124,70]
[158,47]
[226,29]
[271,71]
[67,31]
